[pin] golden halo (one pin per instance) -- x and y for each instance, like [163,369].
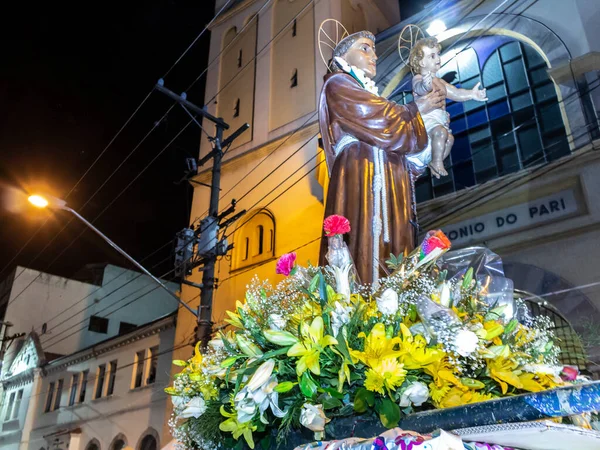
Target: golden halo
[409,35]
[331,32]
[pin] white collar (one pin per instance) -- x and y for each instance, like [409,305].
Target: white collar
[359,74]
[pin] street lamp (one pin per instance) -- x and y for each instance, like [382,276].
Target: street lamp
[56,203]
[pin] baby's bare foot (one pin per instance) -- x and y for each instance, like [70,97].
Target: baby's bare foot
[437,168]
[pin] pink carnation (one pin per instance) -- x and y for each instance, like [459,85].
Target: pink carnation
[285,264]
[569,373]
[336,224]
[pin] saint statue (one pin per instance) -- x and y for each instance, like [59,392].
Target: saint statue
[367,140]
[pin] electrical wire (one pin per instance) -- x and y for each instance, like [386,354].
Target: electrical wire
[113,139]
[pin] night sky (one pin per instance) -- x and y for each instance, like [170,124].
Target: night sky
[72,73]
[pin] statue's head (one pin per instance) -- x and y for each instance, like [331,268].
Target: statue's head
[425,55]
[358,50]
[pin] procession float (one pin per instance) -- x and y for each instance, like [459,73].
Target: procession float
[384,344]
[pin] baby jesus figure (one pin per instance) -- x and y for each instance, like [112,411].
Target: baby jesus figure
[424,61]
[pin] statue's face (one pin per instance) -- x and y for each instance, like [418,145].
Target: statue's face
[362,55]
[431,61]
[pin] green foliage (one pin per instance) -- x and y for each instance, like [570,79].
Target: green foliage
[389,412]
[363,400]
[394,262]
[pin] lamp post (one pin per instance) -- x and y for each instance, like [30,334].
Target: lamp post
[56,203]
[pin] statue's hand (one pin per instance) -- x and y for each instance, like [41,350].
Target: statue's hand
[434,100]
[479,94]
[438,85]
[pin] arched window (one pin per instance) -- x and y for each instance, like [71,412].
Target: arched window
[119,442]
[518,127]
[148,443]
[254,242]
[149,440]
[94,444]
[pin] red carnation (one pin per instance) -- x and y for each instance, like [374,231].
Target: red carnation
[336,224]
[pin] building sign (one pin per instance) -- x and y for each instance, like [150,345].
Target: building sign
[513,218]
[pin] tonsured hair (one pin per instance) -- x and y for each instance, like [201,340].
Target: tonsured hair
[344,45]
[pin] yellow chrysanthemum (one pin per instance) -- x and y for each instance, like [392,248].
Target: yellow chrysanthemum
[374,381]
[438,392]
[389,374]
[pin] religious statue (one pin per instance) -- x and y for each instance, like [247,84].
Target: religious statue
[424,61]
[366,140]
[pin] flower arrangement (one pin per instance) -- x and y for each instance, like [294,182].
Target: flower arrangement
[302,353]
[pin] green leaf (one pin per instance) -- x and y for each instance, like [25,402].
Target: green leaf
[333,392]
[330,402]
[322,289]
[389,413]
[180,362]
[313,283]
[468,278]
[171,391]
[285,386]
[229,362]
[363,400]
[511,326]
[227,344]
[343,348]
[265,442]
[308,387]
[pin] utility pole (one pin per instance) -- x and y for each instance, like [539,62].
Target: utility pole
[206,236]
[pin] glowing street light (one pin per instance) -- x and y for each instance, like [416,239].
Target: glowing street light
[56,203]
[436,27]
[38,200]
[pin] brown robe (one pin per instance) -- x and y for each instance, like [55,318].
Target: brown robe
[346,108]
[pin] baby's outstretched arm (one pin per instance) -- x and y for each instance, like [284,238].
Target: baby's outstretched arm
[462,95]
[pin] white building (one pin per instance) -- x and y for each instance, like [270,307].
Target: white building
[522,170]
[70,327]
[106,396]
[68,314]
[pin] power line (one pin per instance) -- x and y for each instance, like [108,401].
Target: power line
[197,37]
[129,119]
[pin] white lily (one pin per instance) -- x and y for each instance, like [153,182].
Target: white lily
[194,408]
[258,395]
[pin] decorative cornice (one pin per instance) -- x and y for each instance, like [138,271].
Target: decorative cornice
[110,344]
[20,379]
